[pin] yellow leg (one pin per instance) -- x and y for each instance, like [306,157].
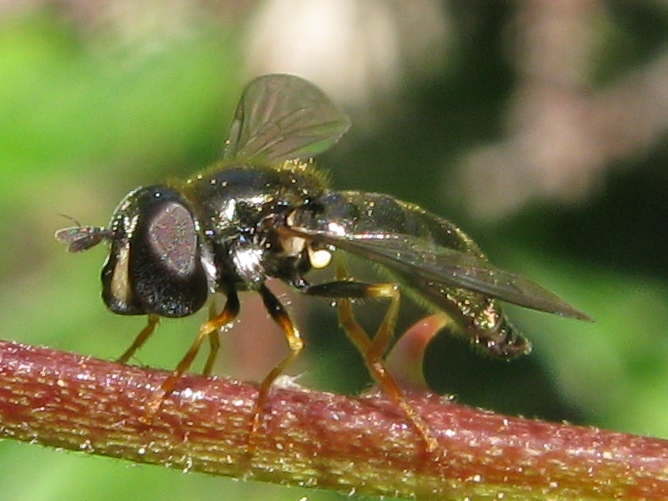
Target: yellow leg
[296,345]
[208,329]
[139,341]
[373,351]
[214,343]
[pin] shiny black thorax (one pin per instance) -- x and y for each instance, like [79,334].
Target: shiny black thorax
[241,208]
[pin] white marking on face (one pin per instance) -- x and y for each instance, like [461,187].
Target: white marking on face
[120,282]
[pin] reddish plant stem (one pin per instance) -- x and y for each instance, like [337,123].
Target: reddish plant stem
[317,439]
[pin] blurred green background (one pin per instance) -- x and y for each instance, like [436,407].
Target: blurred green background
[539,127]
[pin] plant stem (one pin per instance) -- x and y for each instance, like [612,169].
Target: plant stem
[309,438]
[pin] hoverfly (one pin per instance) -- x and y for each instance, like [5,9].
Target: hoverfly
[264,211]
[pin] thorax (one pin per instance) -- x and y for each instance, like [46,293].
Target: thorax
[239,206]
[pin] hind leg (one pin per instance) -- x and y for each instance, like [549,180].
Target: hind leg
[372,350]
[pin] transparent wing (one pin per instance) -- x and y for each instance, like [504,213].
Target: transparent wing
[283,117]
[442,267]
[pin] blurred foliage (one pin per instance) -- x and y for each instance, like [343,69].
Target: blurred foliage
[80,126]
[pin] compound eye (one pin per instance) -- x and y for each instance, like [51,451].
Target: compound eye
[173,237]
[166,272]
[155,261]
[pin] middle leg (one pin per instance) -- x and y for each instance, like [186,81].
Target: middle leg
[296,345]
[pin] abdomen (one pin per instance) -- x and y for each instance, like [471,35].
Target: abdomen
[478,316]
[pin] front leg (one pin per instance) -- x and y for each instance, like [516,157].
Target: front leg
[206,330]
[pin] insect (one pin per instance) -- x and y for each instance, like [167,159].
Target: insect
[265,211]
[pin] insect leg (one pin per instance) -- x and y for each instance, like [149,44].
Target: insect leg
[383,337]
[214,342]
[207,329]
[372,350]
[140,339]
[295,343]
